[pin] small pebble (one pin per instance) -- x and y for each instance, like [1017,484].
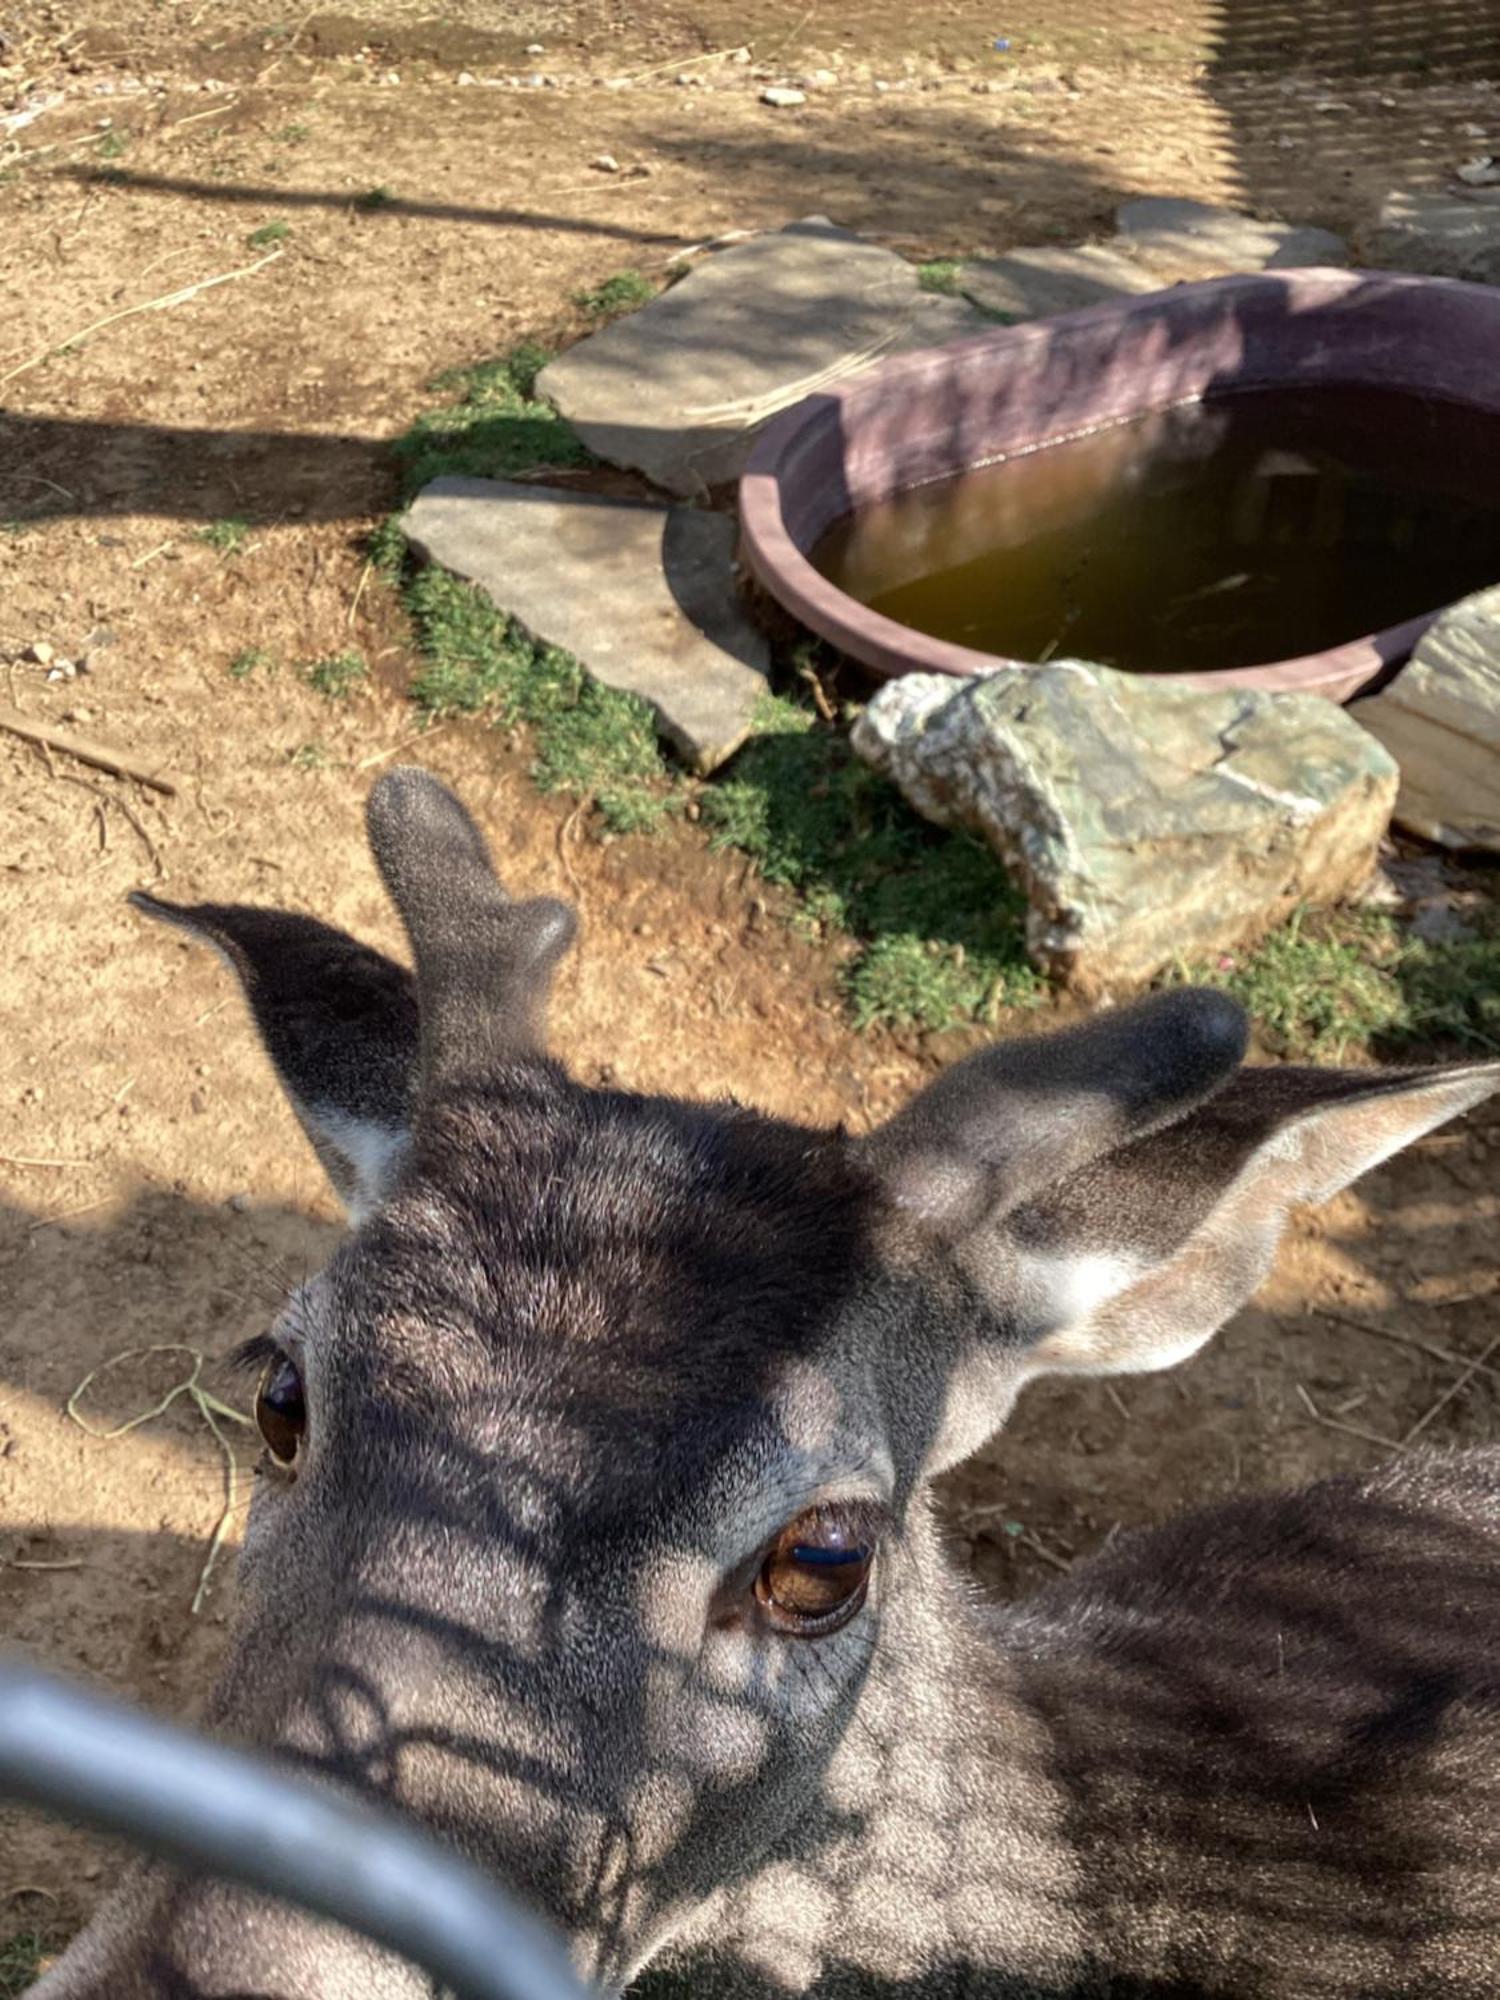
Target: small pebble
[39,653]
[536,49]
[61,670]
[465,78]
[240,1203]
[782,100]
[605,163]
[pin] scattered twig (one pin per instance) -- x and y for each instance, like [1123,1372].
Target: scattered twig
[1117,1399]
[21,1562]
[1460,1382]
[23,1160]
[683,63]
[564,834]
[103,756]
[369,763]
[1430,1347]
[209,1407]
[213,111]
[66,1214]
[1033,1541]
[708,243]
[147,305]
[114,799]
[364,578]
[1349,1430]
[151,554]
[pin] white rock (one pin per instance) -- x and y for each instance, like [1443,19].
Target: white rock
[1148,821]
[605,163]
[781,98]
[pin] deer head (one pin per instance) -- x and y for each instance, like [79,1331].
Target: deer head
[595,1491]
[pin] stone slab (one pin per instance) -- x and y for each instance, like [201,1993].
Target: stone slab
[643,596]
[1183,239]
[678,389]
[1443,235]
[1159,241]
[1440,720]
[1034,284]
[1147,821]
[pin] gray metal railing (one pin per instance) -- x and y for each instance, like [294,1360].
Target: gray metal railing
[226,1813]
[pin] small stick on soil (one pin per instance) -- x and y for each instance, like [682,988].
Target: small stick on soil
[1117,1399]
[113,798]
[1349,1430]
[364,578]
[1033,1541]
[564,834]
[683,63]
[213,111]
[103,756]
[22,1160]
[1407,1340]
[1461,1382]
[369,763]
[17,1562]
[147,305]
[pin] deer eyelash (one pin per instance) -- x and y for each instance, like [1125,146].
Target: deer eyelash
[253,1355]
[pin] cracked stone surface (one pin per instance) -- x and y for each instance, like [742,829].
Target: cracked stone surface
[642,596]
[1444,235]
[678,390]
[1440,720]
[1159,241]
[1147,821]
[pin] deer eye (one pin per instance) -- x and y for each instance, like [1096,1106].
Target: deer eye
[816,1575]
[280,1408]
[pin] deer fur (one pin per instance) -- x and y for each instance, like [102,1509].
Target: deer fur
[587,1353]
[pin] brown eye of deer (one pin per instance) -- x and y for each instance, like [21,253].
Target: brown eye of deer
[280,1410]
[815,1578]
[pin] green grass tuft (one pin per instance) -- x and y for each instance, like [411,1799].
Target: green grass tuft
[940,923]
[940,275]
[620,294]
[373,199]
[113,145]
[267,234]
[1334,983]
[228,537]
[20,1962]
[494,429]
[251,660]
[292,135]
[591,741]
[309,757]
[336,676]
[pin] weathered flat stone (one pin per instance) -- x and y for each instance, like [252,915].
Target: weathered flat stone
[1147,821]
[1159,241]
[678,389]
[1034,284]
[1182,239]
[642,596]
[1440,720]
[1444,235]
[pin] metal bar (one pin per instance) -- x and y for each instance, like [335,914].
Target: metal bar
[224,1812]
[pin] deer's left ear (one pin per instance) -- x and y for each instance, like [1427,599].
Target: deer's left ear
[1108,1197]
[339,1022]
[1135,1261]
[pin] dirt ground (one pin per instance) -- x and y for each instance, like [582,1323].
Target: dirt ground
[155,1191]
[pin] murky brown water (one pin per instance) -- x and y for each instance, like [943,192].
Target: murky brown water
[1247,528]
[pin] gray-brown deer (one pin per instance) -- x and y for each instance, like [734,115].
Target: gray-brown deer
[595,1527]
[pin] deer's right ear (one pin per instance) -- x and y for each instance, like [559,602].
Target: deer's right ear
[339,1022]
